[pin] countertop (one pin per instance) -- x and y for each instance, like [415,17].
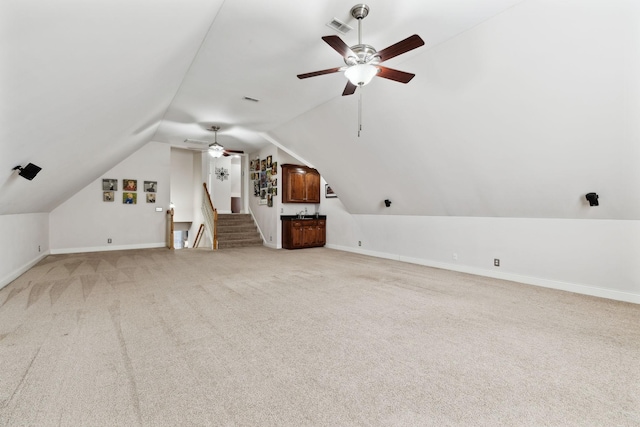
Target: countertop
[294,217]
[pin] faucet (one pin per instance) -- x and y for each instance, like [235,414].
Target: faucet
[301,214]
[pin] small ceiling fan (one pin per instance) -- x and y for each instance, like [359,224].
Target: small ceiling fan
[363,61]
[216,150]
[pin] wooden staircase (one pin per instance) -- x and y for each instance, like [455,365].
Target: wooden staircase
[237,230]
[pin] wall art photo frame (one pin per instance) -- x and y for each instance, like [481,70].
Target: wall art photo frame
[129,185]
[151,186]
[108,196]
[151,197]
[129,198]
[328,192]
[109,184]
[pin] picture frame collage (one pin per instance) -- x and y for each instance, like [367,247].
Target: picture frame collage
[264,175]
[129,190]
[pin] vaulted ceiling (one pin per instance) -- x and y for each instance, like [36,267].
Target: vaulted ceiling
[518,108]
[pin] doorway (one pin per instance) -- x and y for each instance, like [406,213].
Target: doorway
[226,184]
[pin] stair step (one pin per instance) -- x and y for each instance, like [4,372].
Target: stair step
[239,243]
[235,217]
[237,230]
[233,227]
[238,236]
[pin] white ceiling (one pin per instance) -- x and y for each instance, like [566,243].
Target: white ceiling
[518,107]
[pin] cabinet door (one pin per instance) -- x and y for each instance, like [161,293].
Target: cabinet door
[300,184]
[312,181]
[296,191]
[310,234]
[297,234]
[322,233]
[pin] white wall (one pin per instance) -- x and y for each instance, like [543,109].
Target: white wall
[182,183]
[85,222]
[520,116]
[220,190]
[25,241]
[235,177]
[267,218]
[593,257]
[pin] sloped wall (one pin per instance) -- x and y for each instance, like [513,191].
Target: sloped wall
[520,116]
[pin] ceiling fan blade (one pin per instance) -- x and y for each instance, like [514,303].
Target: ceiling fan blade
[234,151]
[341,47]
[319,73]
[349,89]
[401,47]
[396,75]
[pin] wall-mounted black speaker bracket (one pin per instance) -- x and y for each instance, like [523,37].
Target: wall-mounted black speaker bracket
[592,198]
[29,172]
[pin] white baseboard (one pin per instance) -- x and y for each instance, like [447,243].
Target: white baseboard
[107,248]
[527,280]
[20,271]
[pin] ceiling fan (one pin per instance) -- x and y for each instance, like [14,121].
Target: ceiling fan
[363,61]
[216,150]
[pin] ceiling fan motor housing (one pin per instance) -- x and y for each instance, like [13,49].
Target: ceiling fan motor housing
[366,54]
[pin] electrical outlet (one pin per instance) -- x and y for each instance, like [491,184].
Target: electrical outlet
[108,240]
[496,262]
[359,242]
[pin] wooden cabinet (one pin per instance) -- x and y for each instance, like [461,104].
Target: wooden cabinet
[300,184]
[303,233]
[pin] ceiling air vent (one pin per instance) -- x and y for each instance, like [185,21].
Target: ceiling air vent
[339,26]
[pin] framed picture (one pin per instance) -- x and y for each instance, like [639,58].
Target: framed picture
[129,198]
[274,168]
[107,196]
[263,165]
[151,197]
[150,186]
[269,161]
[109,185]
[130,185]
[262,201]
[328,192]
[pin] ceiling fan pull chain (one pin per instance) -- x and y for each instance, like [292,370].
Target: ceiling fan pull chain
[359,112]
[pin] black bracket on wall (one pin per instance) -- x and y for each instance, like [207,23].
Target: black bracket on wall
[29,172]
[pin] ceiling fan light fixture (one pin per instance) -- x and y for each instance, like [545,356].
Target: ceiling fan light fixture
[216,150]
[361,74]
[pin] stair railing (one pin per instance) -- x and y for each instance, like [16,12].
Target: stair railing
[210,217]
[170,229]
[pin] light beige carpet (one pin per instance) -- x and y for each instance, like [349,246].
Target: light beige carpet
[316,337]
